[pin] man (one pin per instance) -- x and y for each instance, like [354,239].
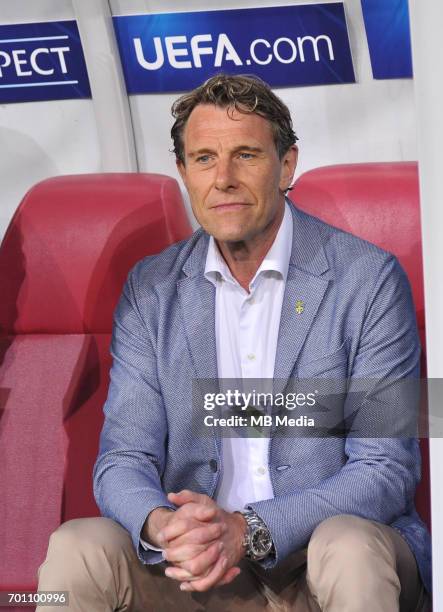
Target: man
[261,291]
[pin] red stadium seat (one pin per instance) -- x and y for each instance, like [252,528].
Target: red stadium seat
[63,262]
[380,203]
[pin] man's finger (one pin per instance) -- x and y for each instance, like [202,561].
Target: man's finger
[178,573]
[186,552]
[182,575]
[198,511]
[175,528]
[200,535]
[183,524]
[230,575]
[202,563]
[186,496]
[214,576]
[197,566]
[205,514]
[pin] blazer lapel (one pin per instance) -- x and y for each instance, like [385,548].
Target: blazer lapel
[306,285]
[197,301]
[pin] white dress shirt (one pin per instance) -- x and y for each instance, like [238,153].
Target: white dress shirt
[246,330]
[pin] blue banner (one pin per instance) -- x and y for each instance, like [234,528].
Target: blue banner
[285,46]
[42,61]
[389,40]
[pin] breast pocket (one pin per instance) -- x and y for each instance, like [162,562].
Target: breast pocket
[325,378]
[332,365]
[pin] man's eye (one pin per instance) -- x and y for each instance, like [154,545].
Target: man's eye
[246,156]
[203,159]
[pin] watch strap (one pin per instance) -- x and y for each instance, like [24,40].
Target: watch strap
[254,522]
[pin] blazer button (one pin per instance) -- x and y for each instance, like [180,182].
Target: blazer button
[213,465]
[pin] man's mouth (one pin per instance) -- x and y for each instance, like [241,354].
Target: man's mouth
[229,206]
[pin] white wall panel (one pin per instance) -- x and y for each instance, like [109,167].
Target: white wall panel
[108,89]
[42,139]
[27,11]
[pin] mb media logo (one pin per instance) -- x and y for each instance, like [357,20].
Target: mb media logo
[295,45]
[42,61]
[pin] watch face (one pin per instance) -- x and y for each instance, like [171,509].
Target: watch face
[261,542]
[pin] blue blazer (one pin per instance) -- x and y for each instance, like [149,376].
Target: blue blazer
[358,321]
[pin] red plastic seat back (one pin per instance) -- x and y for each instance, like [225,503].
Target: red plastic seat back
[63,262]
[380,203]
[70,245]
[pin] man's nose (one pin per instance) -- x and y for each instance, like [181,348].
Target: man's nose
[226,175]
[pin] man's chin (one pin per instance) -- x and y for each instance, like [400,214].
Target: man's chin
[230,233]
[230,237]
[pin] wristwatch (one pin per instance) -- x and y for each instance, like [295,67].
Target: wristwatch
[258,540]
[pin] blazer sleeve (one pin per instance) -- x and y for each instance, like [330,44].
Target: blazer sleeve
[380,475]
[127,473]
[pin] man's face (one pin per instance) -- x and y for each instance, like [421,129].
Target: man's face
[233,174]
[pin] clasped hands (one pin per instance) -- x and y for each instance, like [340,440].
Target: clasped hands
[202,542]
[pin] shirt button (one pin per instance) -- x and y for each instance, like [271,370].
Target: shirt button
[251,356]
[261,470]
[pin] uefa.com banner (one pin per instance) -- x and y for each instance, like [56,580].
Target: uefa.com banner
[285,46]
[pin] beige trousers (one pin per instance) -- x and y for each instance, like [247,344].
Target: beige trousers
[350,565]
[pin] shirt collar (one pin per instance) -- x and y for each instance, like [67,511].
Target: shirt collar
[276,259]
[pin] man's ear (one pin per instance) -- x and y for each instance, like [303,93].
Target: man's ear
[288,166]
